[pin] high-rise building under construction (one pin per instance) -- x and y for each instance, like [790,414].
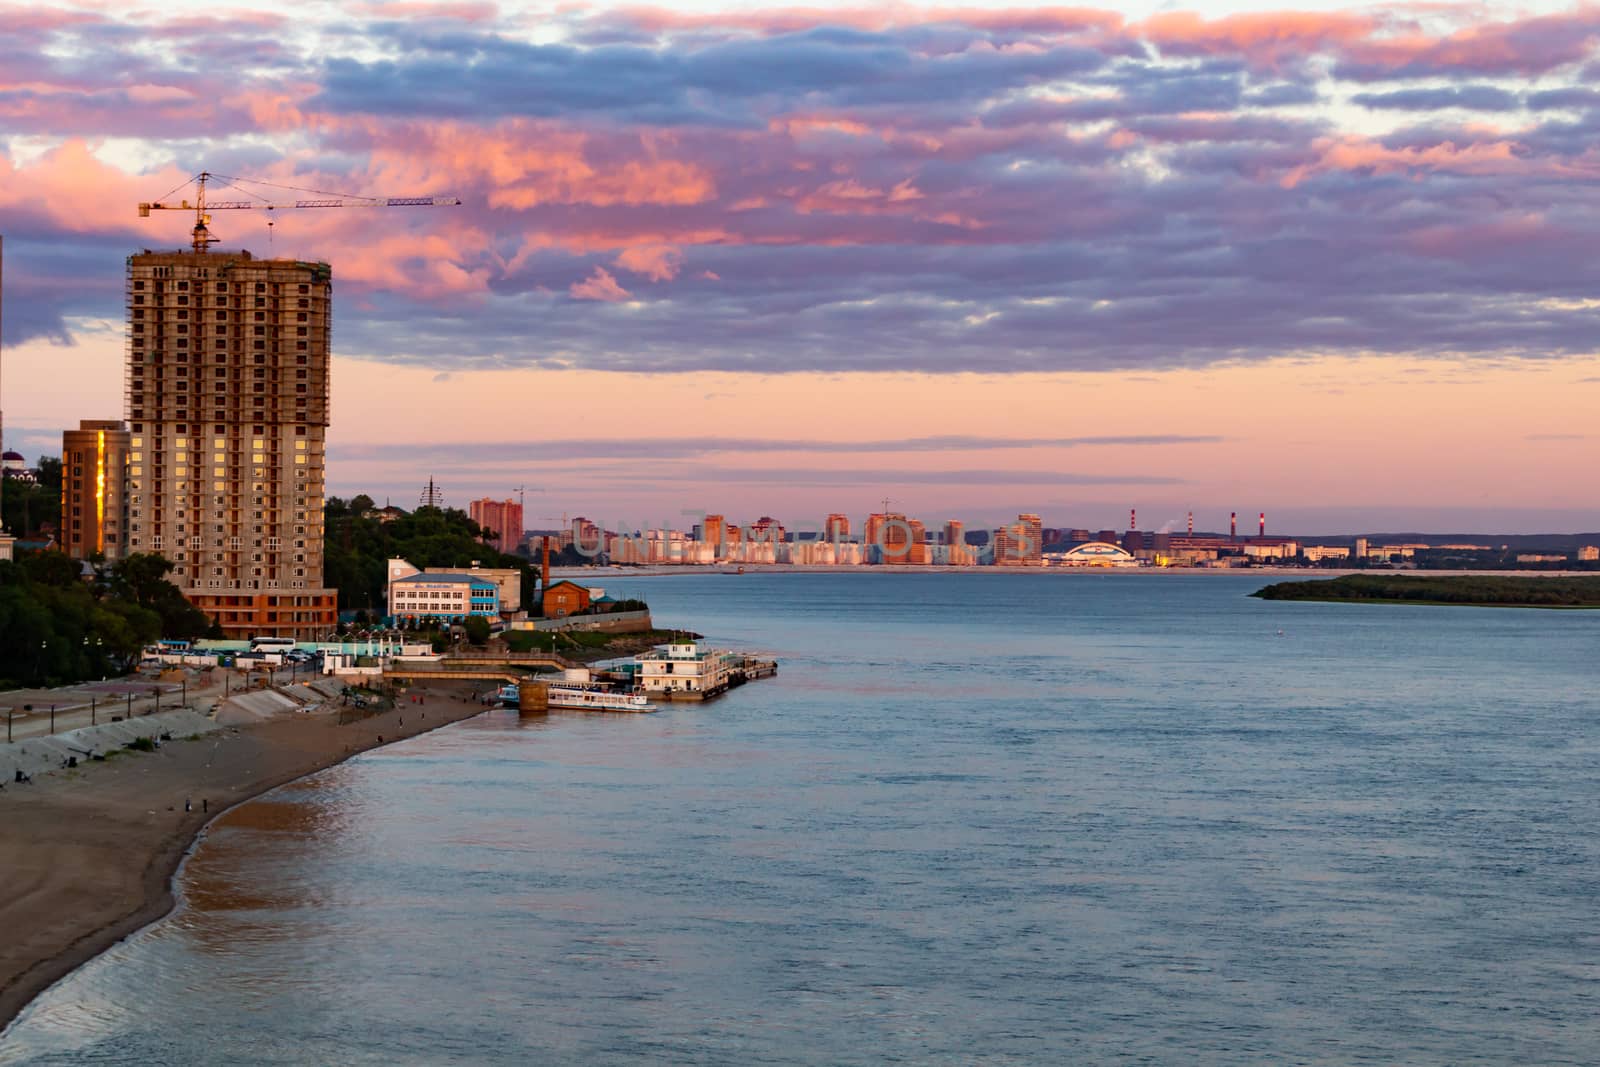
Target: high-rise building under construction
[227,412]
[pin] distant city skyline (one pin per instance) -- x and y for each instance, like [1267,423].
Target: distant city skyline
[1328,263]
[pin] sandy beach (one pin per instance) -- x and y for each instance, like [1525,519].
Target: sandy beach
[87,856]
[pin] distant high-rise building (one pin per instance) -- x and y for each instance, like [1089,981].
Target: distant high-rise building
[713,529]
[769,530]
[1033,528]
[1021,543]
[836,528]
[586,537]
[227,411]
[959,554]
[94,478]
[887,537]
[500,518]
[917,549]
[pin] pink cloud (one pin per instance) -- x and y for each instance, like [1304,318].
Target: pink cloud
[601,285]
[1351,153]
[1268,40]
[422,9]
[1529,46]
[876,17]
[659,263]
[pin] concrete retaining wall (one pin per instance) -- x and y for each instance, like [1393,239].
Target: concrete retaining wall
[40,755]
[617,622]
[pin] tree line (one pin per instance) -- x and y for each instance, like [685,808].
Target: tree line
[1484,590]
[358,545]
[61,628]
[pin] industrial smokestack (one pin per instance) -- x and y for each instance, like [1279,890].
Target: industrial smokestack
[1191,524]
[1133,518]
[1233,526]
[1263,524]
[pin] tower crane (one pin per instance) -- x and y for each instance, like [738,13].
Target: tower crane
[202,208]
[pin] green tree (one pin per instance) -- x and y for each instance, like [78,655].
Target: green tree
[142,578]
[28,509]
[477,628]
[61,629]
[357,549]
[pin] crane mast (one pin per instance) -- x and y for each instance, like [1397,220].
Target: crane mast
[203,237]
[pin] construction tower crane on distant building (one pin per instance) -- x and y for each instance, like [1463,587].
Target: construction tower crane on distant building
[202,208]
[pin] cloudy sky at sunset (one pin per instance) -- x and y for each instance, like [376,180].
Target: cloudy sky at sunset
[1337,264]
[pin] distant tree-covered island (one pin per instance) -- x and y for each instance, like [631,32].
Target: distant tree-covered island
[1488,591]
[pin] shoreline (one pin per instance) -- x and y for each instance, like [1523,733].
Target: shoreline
[1310,573]
[89,857]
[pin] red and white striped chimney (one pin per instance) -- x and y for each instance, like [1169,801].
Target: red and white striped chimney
[1263,524]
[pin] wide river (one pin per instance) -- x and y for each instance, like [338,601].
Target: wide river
[977,818]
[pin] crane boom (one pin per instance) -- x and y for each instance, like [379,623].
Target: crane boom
[202,208]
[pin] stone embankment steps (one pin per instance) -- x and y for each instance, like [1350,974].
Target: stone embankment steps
[41,755]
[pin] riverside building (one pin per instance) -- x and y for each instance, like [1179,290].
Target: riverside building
[227,411]
[94,479]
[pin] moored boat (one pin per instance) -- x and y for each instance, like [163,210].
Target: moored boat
[596,698]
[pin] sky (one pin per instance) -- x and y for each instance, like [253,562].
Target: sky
[1336,264]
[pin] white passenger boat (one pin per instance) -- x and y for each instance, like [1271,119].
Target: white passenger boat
[594,698]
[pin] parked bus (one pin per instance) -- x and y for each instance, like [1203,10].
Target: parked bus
[271,644]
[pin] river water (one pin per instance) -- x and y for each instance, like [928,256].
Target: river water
[977,818]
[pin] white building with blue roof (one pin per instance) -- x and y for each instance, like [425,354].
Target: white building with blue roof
[448,596]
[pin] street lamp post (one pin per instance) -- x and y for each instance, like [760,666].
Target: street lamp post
[94,719]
